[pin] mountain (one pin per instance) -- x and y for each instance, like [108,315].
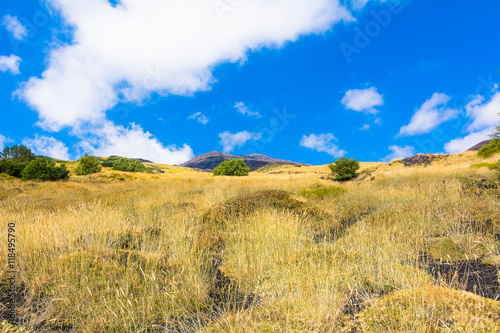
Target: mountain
[479,145]
[211,160]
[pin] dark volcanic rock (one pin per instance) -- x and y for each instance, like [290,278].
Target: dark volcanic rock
[421,159]
[479,145]
[211,160]
[472,276]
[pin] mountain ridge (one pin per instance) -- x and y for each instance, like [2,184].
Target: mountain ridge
[210,161]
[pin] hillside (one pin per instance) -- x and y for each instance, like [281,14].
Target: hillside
[402,248]
[479,145]
[211,160]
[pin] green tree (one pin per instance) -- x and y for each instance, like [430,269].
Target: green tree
[44,169]
[128,165]
[14,159]
[18,154]
[87,165]
[110,161]
[233,167]
[344,169]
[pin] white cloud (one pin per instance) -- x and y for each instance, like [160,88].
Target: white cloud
[365,127]
[358,4]
[460,145]
[230,141]
[429,116]
[13,25]
[127,52]
[10,63]
[47,146]
[399,153]
[3,140]
[243,109]
[484,115]
[200,117]
[133,142]
[363,100]
[323,143]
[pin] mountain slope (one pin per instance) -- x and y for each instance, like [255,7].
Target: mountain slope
[211,160]
[479,145]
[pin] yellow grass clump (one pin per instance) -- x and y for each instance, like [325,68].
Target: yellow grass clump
[282,251]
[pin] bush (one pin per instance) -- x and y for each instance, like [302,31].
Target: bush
[87,165]
[128,165]
[496,168]
[483,165]
[110,161]
[12,168]
[323,192]
[344,169]
[14,159]
[489,150]
[44,169]
[233,167]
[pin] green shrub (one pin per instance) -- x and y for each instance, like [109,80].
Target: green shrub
[489,150]
[110,161]
[128,165]
[87,165]
[323,192]
[344,169]
[44,169]
[273,167]
[12,168]
[233,167]
[496,167]
[483,165]
[14,159]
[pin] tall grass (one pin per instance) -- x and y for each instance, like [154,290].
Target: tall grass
[97,255]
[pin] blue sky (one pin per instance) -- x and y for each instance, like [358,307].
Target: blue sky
[303,80]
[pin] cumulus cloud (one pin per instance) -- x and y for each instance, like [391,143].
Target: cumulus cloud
[47,146]
[460,145]
[245,110]
[3,140]
[363,100]
[10,64]
[365,127]
[358,4]
[429,116]
[323,143]
[15,27]
[399,153]
[200,117]
[483,116]
[230,141]
[125,53]
[133,142]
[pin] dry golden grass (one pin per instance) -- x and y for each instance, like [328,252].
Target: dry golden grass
[117,252]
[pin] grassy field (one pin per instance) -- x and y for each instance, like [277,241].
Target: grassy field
[287,250]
